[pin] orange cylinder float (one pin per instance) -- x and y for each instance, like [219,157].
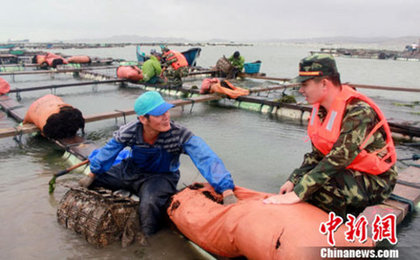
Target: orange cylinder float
[79,59]
[251,228]
[54,118]
[4,86]
[132,73]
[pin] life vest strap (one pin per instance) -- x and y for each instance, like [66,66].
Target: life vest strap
[377,126]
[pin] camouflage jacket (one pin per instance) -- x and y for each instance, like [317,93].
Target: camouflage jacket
[317,169]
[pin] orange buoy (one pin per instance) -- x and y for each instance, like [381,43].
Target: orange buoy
[251,228]
[79,59]
[54,118]
[4,86]
[132,73]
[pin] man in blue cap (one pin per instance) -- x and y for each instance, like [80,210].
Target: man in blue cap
[152,169]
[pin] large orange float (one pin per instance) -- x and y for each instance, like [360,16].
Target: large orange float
[132,73]
[251,228]
[54,118]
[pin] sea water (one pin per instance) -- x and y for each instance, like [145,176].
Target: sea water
[259,150]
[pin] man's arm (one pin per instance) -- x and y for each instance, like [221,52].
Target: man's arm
[102,161]
[310,161]
[209,164]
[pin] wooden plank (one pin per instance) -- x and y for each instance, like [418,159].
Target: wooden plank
[411,174]
[403,207]
[12,108]
[385,88]
[39,72]
[407,192]
[78,146]
[95,82]
[54,71]
[351,84]
[381,210]
[6,102]
[262,76]
[25,129]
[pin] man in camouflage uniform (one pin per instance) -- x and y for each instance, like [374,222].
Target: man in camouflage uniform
[174,76]
[324,179]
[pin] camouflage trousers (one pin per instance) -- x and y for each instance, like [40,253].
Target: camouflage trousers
[175,76]
[350,192]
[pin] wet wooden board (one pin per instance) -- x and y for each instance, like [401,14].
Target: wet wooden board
[77,146]
[411,174]
[390,206]
[12,108]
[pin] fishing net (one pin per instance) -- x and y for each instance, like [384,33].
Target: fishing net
[224,65]
[56,119]
[64,124]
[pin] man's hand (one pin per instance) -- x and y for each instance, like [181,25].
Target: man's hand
[287,187]
[288,198]
[87,180]
[229,197]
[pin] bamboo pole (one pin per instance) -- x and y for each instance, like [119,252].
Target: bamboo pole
[385,88]
[67,85]
[38,72]
[55,71]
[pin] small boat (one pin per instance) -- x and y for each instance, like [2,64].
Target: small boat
[191,55]
[141,56]
[7,46]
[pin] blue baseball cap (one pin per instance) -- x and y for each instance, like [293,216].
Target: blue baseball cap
[151,103]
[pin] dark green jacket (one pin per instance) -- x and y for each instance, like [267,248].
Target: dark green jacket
[237,62]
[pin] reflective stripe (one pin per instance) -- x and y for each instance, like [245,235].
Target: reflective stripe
[331,121]
[310,73]
[314,113]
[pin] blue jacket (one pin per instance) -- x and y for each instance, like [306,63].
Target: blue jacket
[163,155]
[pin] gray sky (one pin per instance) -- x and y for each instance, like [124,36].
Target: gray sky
[46,20]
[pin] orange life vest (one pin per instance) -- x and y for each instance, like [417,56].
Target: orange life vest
[180,62]
[79,59]
[213,85]
[39,59]
[53,59]
[324,134]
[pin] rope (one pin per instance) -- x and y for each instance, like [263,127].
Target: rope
[411,184]
[403,200]
[18,136]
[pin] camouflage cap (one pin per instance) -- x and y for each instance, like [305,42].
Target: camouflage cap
[318,65]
